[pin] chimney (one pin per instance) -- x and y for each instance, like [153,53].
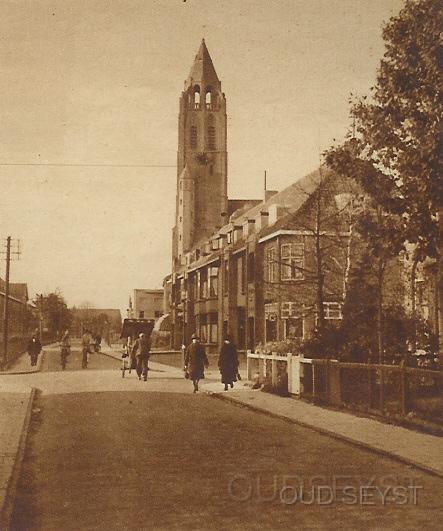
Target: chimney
[276,212]
[261,221]
[248,227]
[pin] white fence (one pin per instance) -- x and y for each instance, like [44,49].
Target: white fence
[264,368]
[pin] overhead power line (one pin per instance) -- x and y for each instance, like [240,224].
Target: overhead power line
[74,165]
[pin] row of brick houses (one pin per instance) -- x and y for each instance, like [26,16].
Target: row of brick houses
[256,277]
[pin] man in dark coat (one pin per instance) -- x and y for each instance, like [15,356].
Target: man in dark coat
[141,351]
[34,349]
[196,361]
[228,363]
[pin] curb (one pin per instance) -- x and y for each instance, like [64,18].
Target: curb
[11,489]
[329,433]
[38,367]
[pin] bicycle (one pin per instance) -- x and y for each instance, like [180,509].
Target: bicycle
[85,357]
[64,353]
[127,361]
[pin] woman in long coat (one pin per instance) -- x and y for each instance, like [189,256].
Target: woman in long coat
[228,363]
[196,361]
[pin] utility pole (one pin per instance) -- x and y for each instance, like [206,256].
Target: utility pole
[40,316]
[16,253]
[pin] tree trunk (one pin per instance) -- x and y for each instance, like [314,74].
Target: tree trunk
[414,302]
[380,276]
[319,260]
[440,286]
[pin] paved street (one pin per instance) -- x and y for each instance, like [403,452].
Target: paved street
[110,453]
[52,360]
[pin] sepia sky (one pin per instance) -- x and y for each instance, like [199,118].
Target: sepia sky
[97,82]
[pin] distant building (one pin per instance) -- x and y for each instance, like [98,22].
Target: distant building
[20,309]
[146,304]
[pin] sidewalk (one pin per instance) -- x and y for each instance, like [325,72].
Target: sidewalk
[22,365]
[15,414]
[421,450]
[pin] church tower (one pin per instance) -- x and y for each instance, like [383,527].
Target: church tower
[201,199]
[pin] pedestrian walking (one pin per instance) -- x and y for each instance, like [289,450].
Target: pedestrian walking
[140,350]
[65,348]
[228,363]
[195,361]
[34,348]
[86,347]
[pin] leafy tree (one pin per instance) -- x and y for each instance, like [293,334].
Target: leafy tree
[56,315]
[393,150]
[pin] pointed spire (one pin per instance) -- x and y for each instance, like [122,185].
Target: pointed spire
[203,71]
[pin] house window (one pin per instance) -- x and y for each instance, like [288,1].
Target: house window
[157,314]
[271,265]
[213,281]
[226,277]
[271,316]
[203,328]
[196,285]
[293,320]
[293,328]
[204,284]
[212,326]
[292,257]
[241,274]
[193,137]
[141,314]
[332,310]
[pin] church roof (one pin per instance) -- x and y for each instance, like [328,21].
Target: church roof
[203,68]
